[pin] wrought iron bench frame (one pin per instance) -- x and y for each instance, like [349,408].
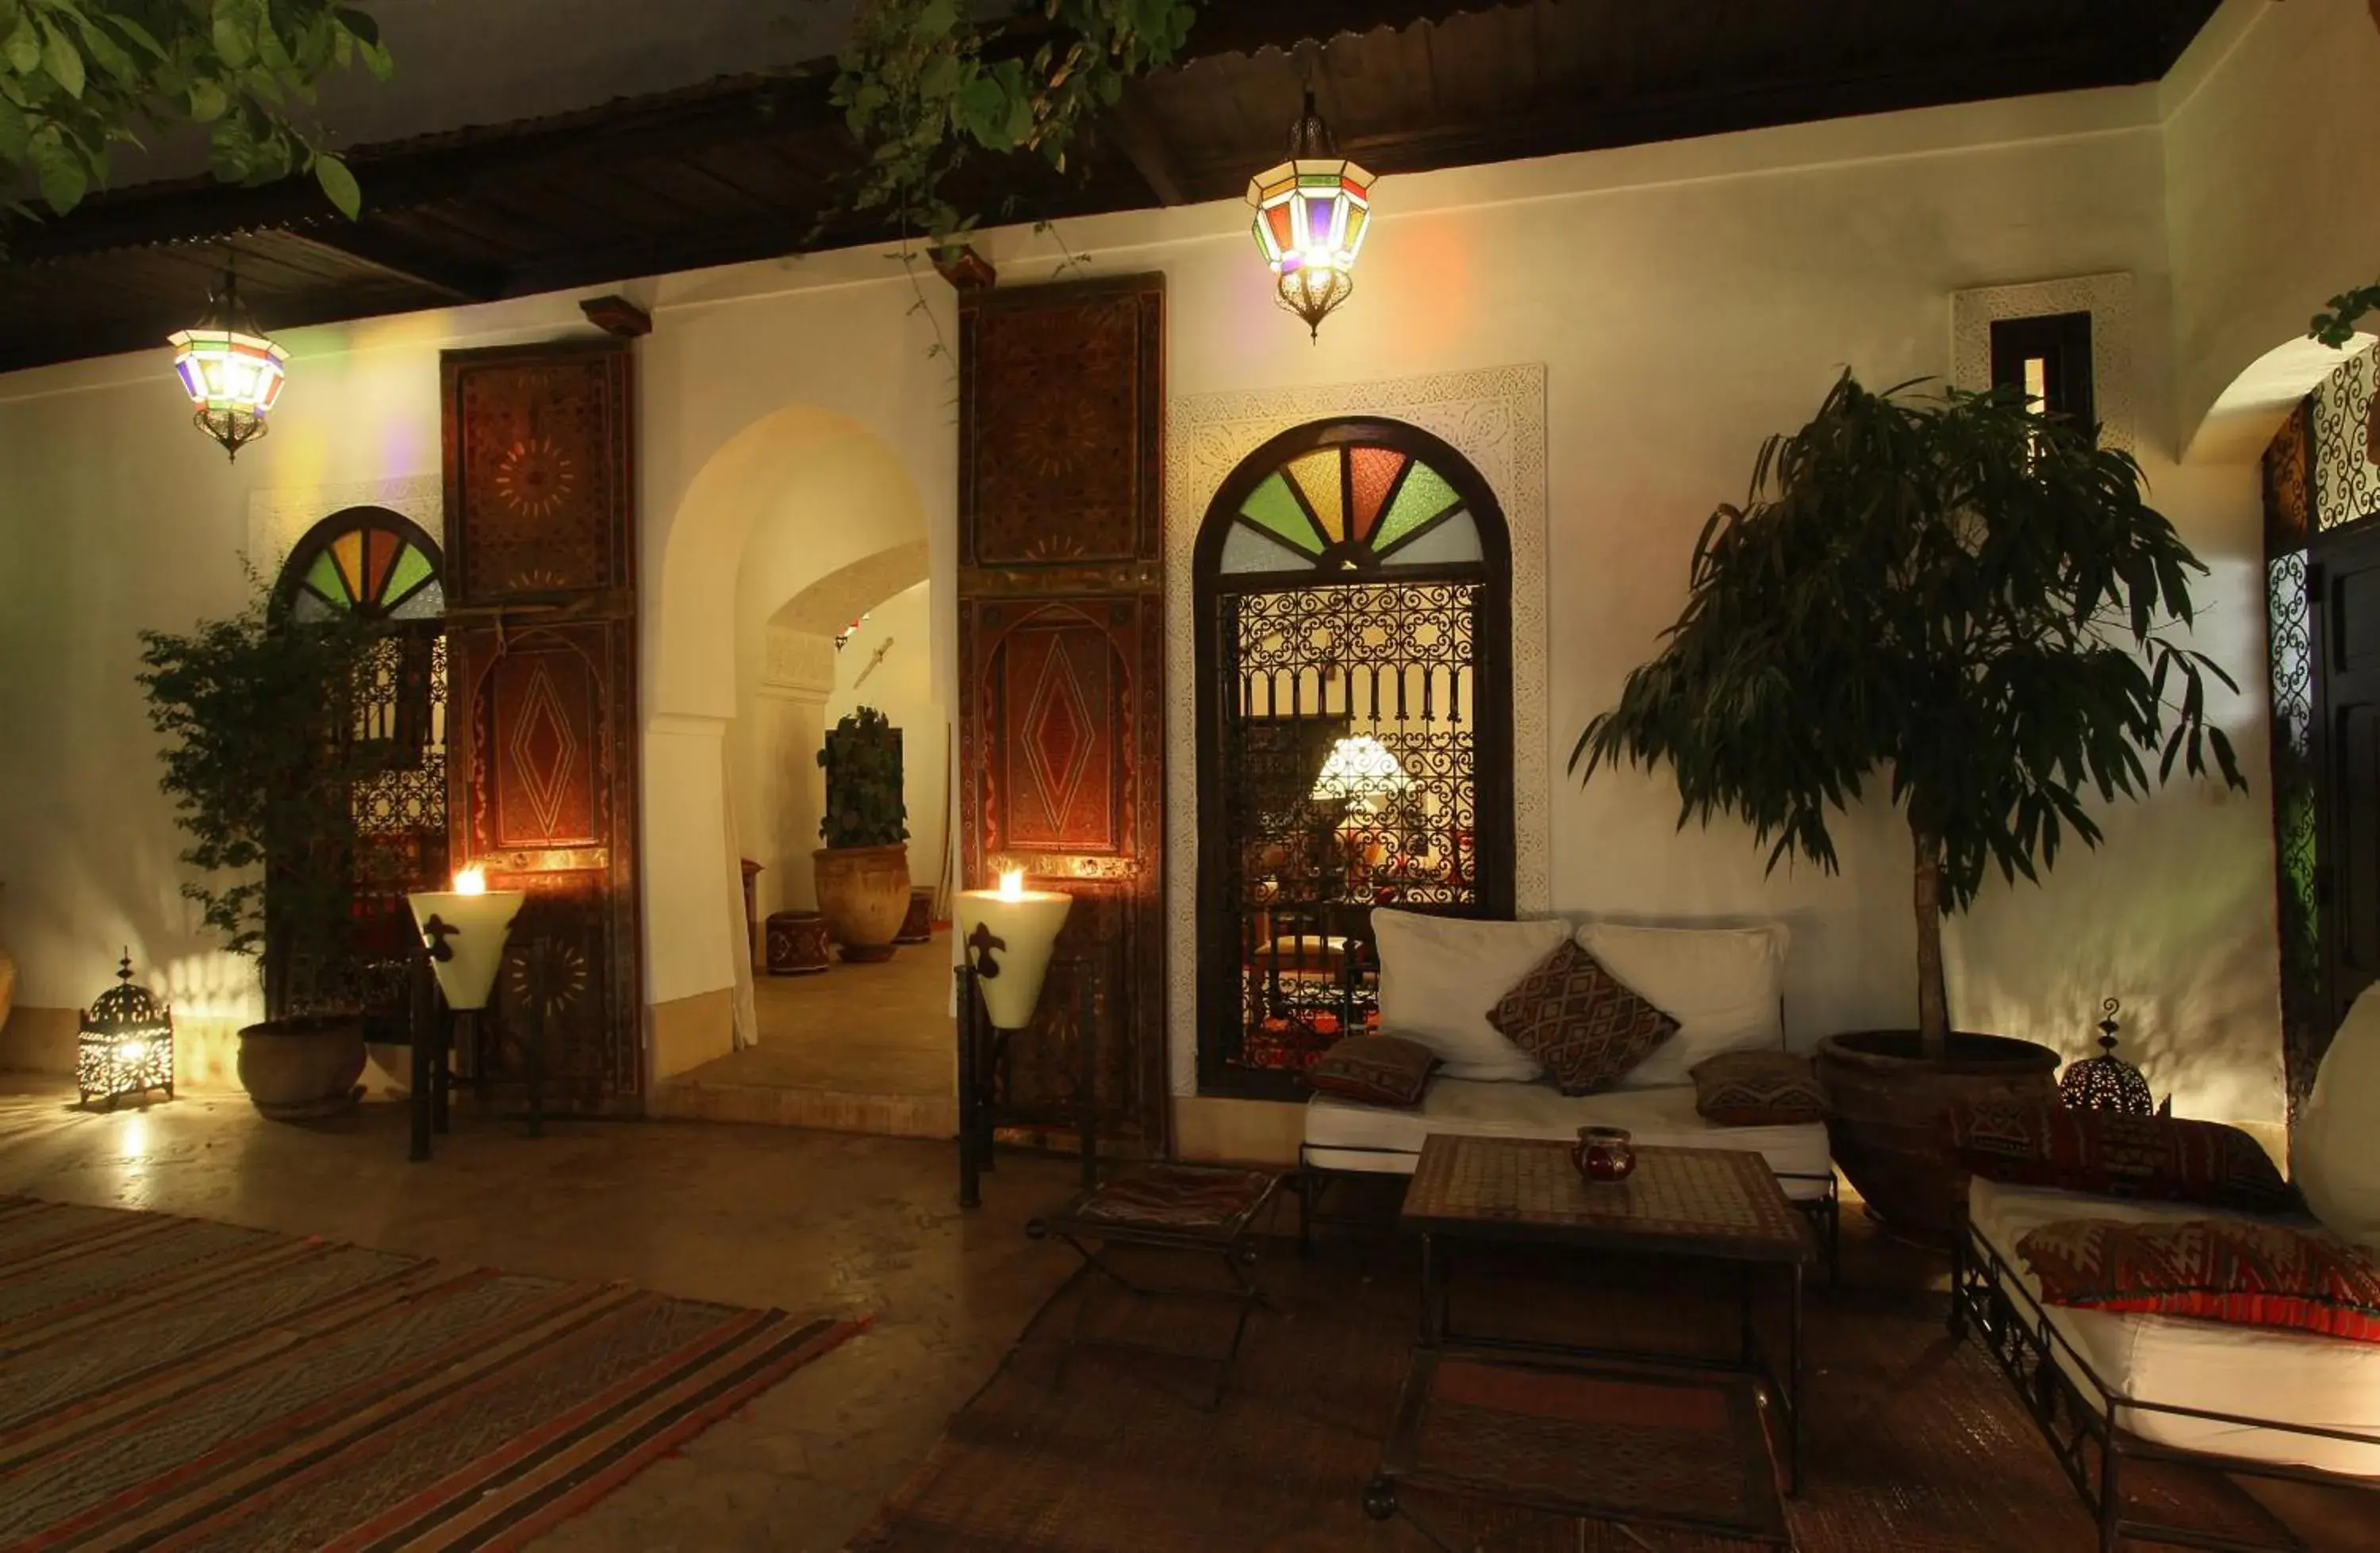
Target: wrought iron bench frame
[2078,1417]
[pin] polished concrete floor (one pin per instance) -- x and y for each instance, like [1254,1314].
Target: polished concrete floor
[866,1049]
[754,1215]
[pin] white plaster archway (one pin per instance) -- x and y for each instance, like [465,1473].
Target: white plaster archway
[795,495]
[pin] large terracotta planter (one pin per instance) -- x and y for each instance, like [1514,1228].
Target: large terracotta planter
[1889,1104]
[298,1068]
[863,892]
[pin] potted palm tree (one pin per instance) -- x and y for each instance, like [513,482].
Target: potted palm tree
[863,871]
[257,712]
[1971,608]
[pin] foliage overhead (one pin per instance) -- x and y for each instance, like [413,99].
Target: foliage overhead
[2337,327]
[1967,596]
[925,84]
[78,78]
[259,760]
[864,802]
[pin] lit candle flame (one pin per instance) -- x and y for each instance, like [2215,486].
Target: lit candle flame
[1012,884]
[472,881]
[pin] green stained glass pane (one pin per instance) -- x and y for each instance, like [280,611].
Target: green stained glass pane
[323,578]
[1424,495]
[1274,507]
[411,567]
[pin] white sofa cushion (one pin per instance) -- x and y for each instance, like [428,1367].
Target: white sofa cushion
[2182,1361]
[1722,985]
[2335,1154]
[1440,975]
[1350,1135]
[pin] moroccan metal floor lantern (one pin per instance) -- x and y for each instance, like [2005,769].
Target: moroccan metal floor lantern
[2106,1082]
[125,1044]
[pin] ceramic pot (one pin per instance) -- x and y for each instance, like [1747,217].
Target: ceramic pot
[863,892]
[298,1068]
[1603,1154]
[1891,1105]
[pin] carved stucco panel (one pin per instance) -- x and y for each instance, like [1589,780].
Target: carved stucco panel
[1496,417]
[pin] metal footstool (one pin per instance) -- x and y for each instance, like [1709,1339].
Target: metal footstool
[1197,1209]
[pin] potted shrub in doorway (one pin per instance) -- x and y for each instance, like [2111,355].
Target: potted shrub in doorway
[257,712]
[1971,607]
[863,869]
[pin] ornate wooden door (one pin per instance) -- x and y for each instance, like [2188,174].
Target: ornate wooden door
[1061,653]
[541,615]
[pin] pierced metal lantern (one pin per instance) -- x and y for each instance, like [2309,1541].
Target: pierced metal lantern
[233,374]
[2106,1082]
[126,1046]
[1312,212]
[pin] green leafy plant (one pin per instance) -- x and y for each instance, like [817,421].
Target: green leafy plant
[78,78]
[2337,327]
[1968,596]
[259,760]
[864,806]
[924,84]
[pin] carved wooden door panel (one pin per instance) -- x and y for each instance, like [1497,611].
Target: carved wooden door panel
[1061,700]
[541,562]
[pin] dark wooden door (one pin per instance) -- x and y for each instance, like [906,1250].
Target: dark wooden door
[2343,588]
[1062,656]
[541,616]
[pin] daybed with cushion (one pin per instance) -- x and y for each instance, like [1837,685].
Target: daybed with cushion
[1699,993]
[2183,1216]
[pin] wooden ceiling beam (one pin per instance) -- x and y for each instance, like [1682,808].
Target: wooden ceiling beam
[441,275]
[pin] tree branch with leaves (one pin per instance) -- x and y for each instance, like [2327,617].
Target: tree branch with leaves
[79,78]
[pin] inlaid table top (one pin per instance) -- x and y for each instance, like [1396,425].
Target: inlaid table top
[1706,1202]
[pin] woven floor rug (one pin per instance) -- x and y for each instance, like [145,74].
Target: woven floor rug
[1915,1446]
[174,1384]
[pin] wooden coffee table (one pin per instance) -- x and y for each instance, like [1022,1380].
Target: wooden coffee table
[1713,1205]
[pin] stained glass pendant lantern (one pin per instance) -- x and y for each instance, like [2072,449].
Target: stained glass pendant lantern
[233,374]
[1312,211]
[2106,1082]
[126,1043]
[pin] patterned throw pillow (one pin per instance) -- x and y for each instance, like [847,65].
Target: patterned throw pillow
[2029,1143]
[2219,1269]
[1376,1070]
[1580,1021]
[1758,1089]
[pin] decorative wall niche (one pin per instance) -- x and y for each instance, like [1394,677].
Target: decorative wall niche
[2108,302]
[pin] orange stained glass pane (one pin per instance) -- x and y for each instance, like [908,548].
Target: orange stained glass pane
[380,549]
[1370,472]
[347,549]
[1317,474]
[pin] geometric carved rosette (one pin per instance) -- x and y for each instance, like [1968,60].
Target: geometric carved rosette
[540,478]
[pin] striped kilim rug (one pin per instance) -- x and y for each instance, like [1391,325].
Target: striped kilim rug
[174,1384]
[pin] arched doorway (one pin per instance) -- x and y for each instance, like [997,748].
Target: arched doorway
[1352,607]
[383,569]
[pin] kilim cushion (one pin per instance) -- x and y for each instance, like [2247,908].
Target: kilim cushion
[1758,1089]
[1580,1021]
[2221,1269]
[2031,1143]
[1376,1070]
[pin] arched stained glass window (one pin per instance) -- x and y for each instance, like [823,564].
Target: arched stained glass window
[1353,617]
[368,562]
[1355,507]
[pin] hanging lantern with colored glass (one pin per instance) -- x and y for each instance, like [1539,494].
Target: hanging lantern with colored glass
[1312,211]
[233,374]
[2106,1082]
[126,1042]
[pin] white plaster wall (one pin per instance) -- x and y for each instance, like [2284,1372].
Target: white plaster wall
[2270,120]
[1683,300]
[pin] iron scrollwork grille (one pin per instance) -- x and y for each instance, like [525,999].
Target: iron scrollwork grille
[383,569]
[2290,518]
[1356,745]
